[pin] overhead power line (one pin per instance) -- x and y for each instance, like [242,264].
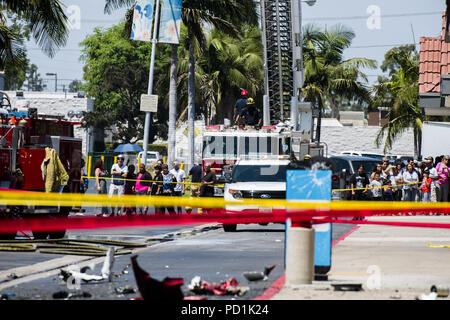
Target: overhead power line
[398,15]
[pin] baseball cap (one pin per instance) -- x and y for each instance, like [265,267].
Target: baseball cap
[429,158]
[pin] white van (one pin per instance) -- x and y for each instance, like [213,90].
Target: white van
[152,157]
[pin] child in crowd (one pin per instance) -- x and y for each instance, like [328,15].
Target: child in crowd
[388,192]
[426,187]
[376,187]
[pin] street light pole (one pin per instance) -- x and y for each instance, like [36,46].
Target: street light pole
[150,81]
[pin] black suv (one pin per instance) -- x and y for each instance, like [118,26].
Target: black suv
[346,166]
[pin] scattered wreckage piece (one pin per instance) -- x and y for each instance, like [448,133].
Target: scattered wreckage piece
[67,296]
[347,287]
[125,290]
[153,290]
[259,275]
[227,287]
[82,275]
[442,291]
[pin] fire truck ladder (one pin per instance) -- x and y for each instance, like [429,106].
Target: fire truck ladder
[277,40]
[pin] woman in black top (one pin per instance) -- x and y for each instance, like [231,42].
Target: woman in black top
[129,184]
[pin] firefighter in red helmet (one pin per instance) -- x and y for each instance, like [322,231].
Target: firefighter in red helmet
[240,106]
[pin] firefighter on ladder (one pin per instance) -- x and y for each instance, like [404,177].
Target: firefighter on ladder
[251,115]
[240,106]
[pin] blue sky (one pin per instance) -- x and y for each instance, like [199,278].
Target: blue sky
[399,19]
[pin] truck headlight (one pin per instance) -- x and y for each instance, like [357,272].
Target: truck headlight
[235,193]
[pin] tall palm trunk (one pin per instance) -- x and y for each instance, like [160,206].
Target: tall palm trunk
[173,105]
[191,103]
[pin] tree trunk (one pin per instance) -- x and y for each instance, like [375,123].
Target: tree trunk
[333,106]
[191,104]
[226,106]
[319,126]
[173,105]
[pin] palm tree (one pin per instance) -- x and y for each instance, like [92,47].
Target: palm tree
[228,64]
[224,15]
[401,95]
[47,22]
[329,79]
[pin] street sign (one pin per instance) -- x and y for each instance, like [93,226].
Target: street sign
[149,103]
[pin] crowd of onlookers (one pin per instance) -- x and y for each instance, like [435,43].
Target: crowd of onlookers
[160,182]
[426,181]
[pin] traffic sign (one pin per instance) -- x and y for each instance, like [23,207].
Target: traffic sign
[149,103]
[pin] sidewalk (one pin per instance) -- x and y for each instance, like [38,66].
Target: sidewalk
[406,265]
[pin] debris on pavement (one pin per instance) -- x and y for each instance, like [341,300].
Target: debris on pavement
[107,265]
[60,295]
[125,290]
[227,287]
[430,296]
[442,292]
[11,276]
[67,296]
[82,275]
[124,271]
[348,287]
[83,294]
[152,289]
[259,275]
[397,295]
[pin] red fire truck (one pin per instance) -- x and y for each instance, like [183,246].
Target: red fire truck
[24,135]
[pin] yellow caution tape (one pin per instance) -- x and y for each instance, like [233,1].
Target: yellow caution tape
[77,199]
[152,181]
[391,187]
[438,246]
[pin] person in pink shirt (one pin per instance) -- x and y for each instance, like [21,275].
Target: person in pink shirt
[142,186]
[442,181]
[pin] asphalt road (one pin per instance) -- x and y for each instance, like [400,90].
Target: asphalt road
[213,255]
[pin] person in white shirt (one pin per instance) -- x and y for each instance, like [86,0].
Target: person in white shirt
[119,171]
[433,175]
[376,187]
[410,178]
[180,175]
[396,179]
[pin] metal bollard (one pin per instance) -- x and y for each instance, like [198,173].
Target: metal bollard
[299,256]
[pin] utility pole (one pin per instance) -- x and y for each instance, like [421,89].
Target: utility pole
[150,80]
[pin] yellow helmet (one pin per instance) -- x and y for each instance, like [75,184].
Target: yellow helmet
[307,157]
[250,101]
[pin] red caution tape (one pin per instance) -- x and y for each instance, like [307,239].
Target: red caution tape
[389,223]
[213,216]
